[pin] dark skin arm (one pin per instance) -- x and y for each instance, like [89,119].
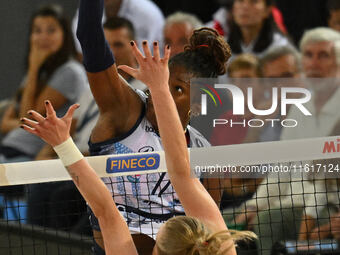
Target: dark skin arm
[118,104]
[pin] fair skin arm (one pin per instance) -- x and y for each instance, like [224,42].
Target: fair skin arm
[29,99]
[9,120]
[190,191]
[310,230]
[55,131]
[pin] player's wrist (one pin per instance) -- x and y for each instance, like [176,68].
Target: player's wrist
[68,152]
[160,89]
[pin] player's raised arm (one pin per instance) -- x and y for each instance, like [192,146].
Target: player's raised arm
[111,93]
[56,132]
[195,199]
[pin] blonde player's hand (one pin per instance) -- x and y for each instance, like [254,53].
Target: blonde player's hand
[52,130]
[153,70]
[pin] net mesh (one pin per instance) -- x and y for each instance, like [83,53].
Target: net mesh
[291,213]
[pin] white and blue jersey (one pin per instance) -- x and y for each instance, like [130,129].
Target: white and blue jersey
[145,200]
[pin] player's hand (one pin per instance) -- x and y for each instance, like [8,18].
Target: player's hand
[153,70]
[52,130]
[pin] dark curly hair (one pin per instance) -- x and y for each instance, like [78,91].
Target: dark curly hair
[206,54]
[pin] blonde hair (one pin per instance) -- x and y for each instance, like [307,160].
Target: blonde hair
[184,235]
[244,61]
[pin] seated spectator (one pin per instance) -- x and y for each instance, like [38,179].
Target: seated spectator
[252,28]
[118,33]
[284,198]
[278,62]
[178,29]
[333,7]
[222,18]
[243,66]
[322,213]
[321,49]
[51,73]
[235,190]
[146,17]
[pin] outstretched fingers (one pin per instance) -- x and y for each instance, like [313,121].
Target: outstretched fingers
[166,54]
[36,116]
[30,123]
[50,112]
[146,50]
[137,53]
[29,129]
[156,51]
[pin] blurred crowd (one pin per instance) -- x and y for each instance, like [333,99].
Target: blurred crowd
[268,39]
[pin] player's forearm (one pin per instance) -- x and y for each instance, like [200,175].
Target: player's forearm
[84,177]
[171,131]
[97,55]
[91,187]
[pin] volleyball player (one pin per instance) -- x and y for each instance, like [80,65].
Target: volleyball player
[127,121]
[202,230]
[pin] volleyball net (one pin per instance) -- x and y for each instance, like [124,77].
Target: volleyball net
[266,187]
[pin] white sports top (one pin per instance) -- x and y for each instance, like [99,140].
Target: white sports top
[145,200]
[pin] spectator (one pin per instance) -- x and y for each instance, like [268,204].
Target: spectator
[235,190]
[51,73]
[252,29]
[278,62]
[321,59]
[118,33]
[285,198]
[323,208]
[222,18]
[178,29]
[146,17]
[333,7]
[320,49]
[243,66]
[281,62]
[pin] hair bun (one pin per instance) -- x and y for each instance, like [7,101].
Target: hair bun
[212,46]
